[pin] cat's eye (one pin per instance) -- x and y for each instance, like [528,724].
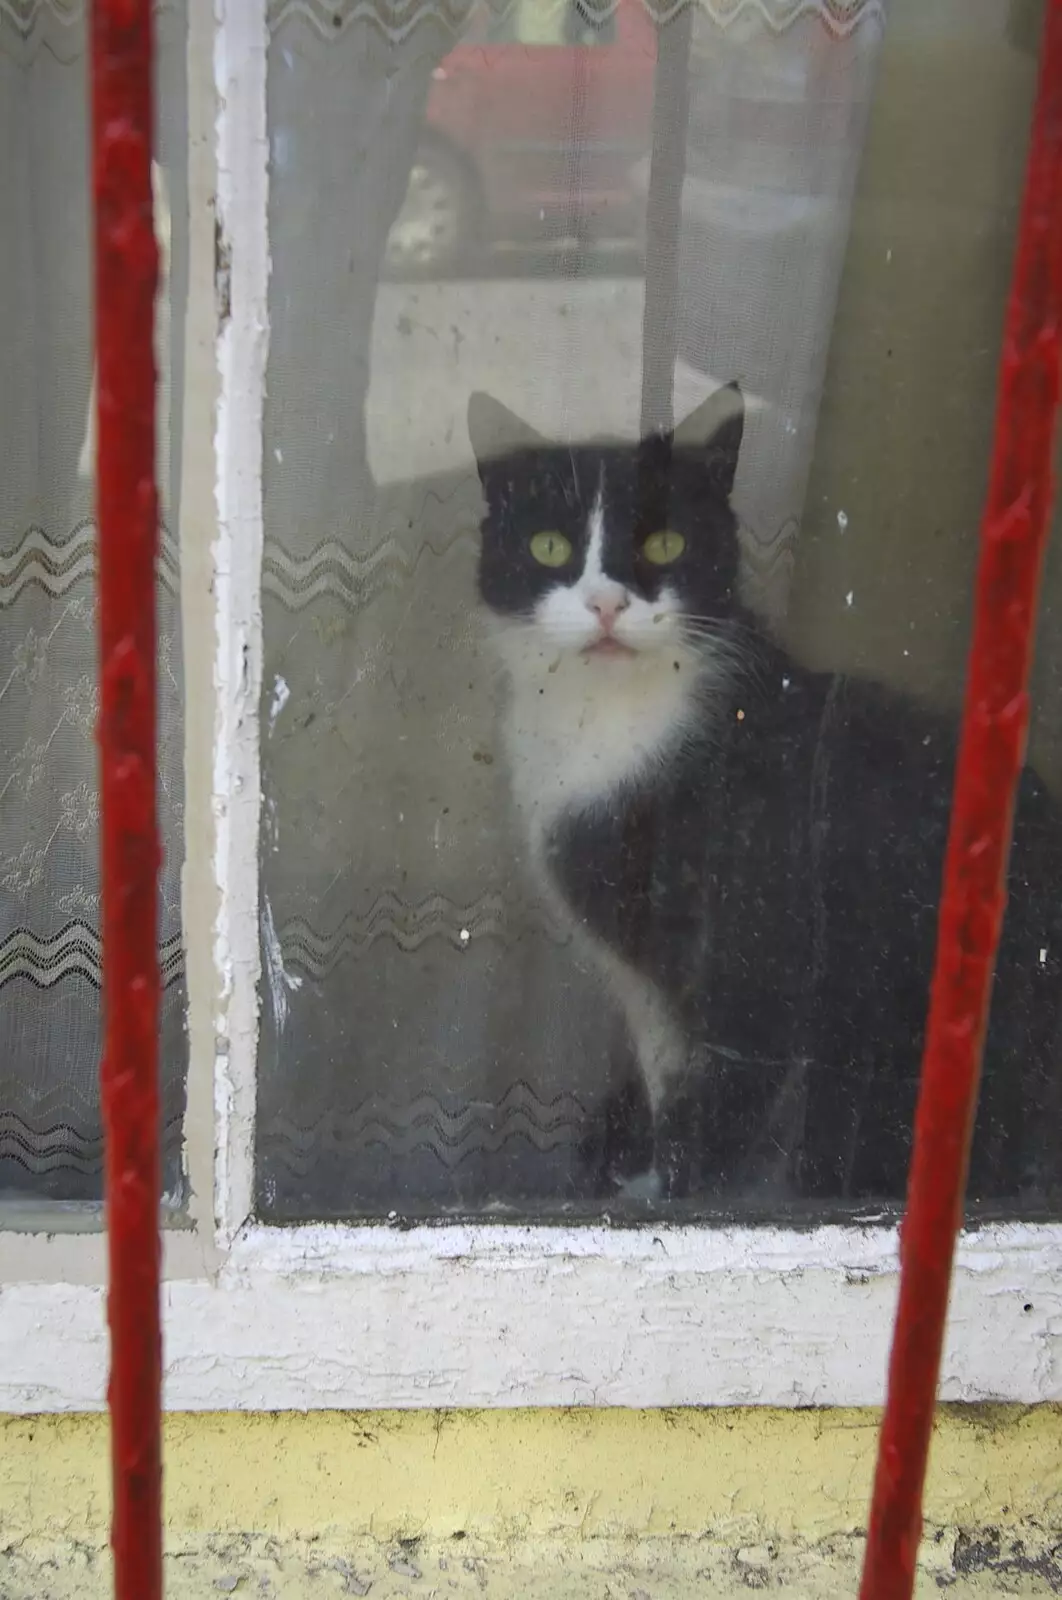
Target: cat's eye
[551,549]
[664,547]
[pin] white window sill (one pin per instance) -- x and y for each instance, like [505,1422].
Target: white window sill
[332,1317]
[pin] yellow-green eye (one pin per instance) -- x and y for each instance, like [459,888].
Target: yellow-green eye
[664,547]
[551,549]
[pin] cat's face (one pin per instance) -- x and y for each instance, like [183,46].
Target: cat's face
[612,554]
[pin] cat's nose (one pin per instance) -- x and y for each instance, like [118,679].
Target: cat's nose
[607,607]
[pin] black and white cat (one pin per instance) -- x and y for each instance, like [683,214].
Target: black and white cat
[751,852]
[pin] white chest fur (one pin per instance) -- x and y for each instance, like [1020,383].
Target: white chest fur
[578,729]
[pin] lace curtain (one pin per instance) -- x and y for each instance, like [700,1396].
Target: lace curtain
[446,214]
[50,1137]
[458,200]
[429,1042]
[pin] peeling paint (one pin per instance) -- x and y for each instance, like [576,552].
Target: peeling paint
[657,1569]
[242,348]
[546,1505]
[279,980]
[281,696]
[329,1317]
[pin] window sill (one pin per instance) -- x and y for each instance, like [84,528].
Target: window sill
[335,1318]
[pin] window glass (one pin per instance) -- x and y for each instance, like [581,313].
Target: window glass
[533,22]
[50,1130]
[606,768]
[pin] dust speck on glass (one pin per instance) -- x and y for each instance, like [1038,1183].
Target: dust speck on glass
[50,1128]
[630,391]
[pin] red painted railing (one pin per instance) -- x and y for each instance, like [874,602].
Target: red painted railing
[126,264]
[994,727]
[995,722]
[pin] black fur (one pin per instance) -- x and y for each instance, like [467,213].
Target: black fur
[779,877]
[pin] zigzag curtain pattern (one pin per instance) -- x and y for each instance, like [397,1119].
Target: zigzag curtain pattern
[429,1044]
[50,1132]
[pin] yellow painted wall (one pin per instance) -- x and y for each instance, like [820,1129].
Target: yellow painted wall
[737,1475]
[533,1505]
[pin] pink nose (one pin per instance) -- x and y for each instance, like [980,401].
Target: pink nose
[607,608]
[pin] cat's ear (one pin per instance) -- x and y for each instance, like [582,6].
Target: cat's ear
[495,431]
[714,432]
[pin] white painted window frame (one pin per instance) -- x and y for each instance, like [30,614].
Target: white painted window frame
[258,1317]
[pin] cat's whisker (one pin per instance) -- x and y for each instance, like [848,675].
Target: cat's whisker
[722,645]
[702,802]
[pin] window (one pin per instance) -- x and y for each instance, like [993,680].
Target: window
[421,1070]
[50,1135]
[572,23]
[437,1037]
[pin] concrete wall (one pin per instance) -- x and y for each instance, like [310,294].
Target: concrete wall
[625,1504]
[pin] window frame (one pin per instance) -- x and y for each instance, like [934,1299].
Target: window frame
[366,1315]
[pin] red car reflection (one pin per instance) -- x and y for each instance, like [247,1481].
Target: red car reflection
[535,128]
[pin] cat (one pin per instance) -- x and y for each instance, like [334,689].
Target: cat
[750,852]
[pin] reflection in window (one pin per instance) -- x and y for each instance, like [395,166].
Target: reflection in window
[603,813]
[530,22]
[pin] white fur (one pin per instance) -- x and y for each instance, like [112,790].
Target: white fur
[580,726]
[659,1042]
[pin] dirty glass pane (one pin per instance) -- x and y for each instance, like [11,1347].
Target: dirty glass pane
[609,710]
[50,1130]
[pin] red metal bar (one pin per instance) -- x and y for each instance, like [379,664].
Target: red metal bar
[995,722]
[126,263]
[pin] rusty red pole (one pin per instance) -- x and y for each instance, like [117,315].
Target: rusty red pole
[126,263]
[995,721]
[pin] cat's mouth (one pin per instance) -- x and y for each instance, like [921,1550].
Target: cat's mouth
[608,646]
